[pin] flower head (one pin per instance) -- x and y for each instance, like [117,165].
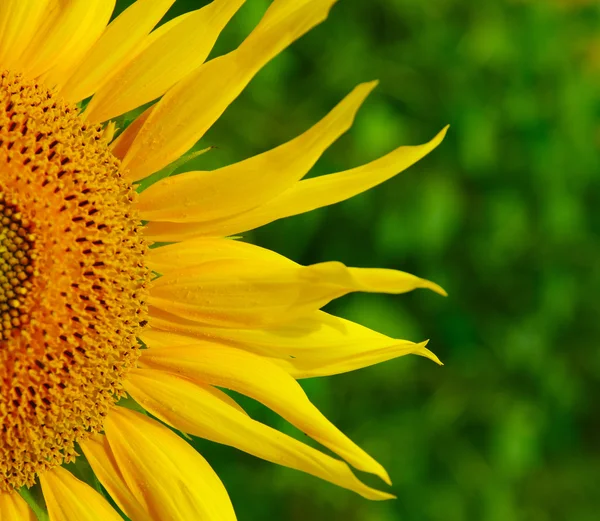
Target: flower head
[73,280]
[94,307]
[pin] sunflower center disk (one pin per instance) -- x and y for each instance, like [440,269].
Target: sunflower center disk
[72,280]
[16,268]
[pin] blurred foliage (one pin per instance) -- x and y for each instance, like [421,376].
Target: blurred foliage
[504,214]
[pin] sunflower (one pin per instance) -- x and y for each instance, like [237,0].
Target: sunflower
[126,307]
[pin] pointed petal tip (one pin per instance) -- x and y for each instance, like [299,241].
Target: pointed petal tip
[434,287]
[373,494]
[374,467]
[368,85]
[421,350]
[382,496]
[383,474]
[439,137]
[362,90]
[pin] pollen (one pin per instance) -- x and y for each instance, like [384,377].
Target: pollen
[72,280]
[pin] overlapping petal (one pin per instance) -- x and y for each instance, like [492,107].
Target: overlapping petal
[301,197]
[190,108]
[120,146]
[14,508]
[69,499]
[206,196]
[19,22]
[99,455]
[115,48]
[78,47]
[174,257]
[193,408]
[253,292]
[164,474]
[223,313]
[258,378]
[172,52]
[67,28]
[318,344]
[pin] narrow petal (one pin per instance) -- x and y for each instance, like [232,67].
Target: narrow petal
[121,145]
[115,47]
[162,63]
[338,345]
[14,508]
[72,25]
[315,345]
[190,108]
[163,472]
[258,378]
[205,196]
[19,22]
[302,197]
[190,407]
[249,293]
[158,338]
[69,499]
[82,44]
[99,455]
[173,257]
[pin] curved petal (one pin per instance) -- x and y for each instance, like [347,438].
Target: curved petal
[67,27]
[163,62]
[102,460]
[314,345]
[115,47]
[164,474]
[302,197]
[94,27]
[121,145]
[191,407]
[19,22]
[155,338]
[258,378]
[69,499]
[14,508]
[174,257]
[190,108]
[204,196]
[249,293]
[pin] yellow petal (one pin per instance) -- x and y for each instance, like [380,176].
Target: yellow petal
[69,61]
[173,257]
[121,145]
[190,407]
[315,345]
[19,21]
[302,197]
[69,499]
[189,109]
[72,25]
[162,63]
[103,463]
[204,196]
[256,292]
[163,472]
[115,47]
[157,338]
[14,508]
[258,378]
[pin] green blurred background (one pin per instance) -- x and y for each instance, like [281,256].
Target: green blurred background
[504,214]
